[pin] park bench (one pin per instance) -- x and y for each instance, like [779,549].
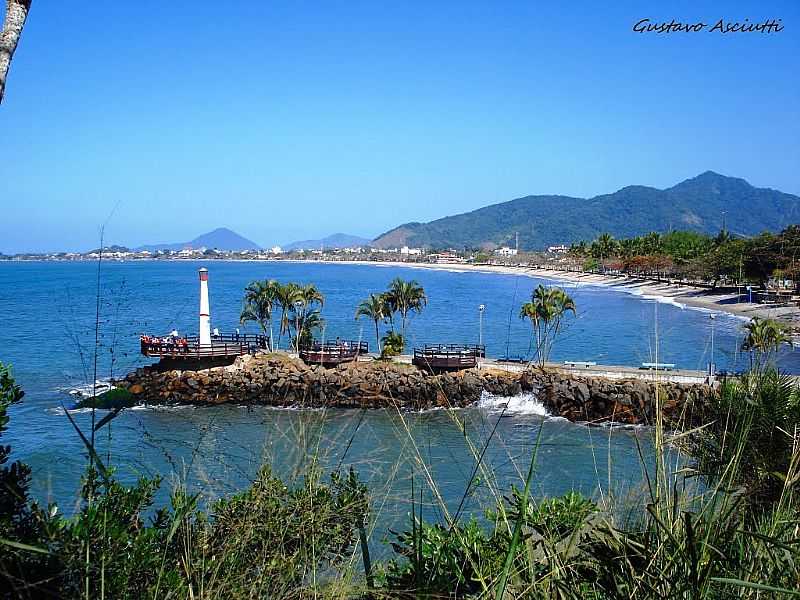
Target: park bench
[658,366]
[580,363]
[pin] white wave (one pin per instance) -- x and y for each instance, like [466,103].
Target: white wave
[526,404]
[57,410]
[87,390]
[662,300]
[162,407]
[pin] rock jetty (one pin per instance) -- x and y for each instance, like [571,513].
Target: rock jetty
[280,380]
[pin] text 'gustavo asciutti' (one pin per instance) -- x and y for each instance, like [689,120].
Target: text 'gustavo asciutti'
[647,25]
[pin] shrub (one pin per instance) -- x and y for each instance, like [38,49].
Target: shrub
[393,344]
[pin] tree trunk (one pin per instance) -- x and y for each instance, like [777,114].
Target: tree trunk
[16,13]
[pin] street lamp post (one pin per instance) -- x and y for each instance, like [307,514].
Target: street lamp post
[481,308]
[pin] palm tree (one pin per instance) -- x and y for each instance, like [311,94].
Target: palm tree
[389,307]
[406,296]
[604,247]
[312,321]
[546,309]
[259,298]
[373,307]
[308,296]
[764,336]
[286,296]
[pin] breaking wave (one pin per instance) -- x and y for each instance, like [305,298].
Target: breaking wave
[523,404]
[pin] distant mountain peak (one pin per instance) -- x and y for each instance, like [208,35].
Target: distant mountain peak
[220,238]
[336,240]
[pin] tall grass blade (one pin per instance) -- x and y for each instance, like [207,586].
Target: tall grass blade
[515,538]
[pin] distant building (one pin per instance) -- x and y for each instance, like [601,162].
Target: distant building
[560,249]
[276,250]
[445,258]
[410,251]
[506,251]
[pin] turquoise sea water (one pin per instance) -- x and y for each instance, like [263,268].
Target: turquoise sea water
[47,335]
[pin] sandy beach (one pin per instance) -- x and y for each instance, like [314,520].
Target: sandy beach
[675,294]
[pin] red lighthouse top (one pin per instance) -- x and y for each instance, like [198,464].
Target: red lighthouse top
[203,274]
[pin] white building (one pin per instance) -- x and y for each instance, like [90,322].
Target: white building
[276,250]
[410,251]
[506,251]
[560,249]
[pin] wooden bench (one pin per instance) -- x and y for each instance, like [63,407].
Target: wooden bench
[658,366]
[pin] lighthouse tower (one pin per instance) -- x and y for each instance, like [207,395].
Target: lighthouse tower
[205,312]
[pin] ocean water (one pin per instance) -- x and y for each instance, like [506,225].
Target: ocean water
[47,334]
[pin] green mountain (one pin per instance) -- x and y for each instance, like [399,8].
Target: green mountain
[697,204]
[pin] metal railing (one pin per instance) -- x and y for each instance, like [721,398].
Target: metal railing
[190,346]
[332,352]
[478,350]
[448,356]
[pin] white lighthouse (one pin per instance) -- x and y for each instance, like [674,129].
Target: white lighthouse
[205,311]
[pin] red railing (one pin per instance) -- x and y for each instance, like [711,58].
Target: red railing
[190,347]
[448,356]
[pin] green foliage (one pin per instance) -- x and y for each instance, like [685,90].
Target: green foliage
[695,255]
[750,441]
[268,539]
[764,338]
[466,559]
[591,264]
[300,307]
[259,300]
[375,308]
[405,297]
[559,517]
[393,344]
[546,310]
[435,559]
[113,398]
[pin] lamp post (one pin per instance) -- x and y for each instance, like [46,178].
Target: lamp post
[481,308]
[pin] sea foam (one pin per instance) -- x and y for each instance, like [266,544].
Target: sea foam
[526,404]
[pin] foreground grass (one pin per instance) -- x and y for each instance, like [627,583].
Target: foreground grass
[735,536]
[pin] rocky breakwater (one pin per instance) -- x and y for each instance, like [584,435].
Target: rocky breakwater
[279,380]
[632,401]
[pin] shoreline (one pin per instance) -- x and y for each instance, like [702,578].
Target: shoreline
[648,289]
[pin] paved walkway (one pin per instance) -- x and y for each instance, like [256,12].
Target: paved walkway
[605,371]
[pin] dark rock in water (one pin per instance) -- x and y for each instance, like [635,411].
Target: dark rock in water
[279,380]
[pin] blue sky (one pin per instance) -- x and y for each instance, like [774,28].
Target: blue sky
[295,120]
